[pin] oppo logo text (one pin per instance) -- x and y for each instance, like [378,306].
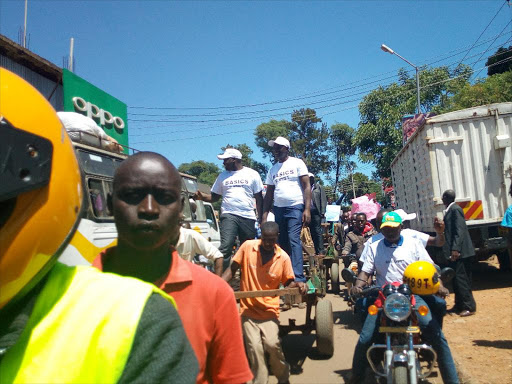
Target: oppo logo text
[95,112]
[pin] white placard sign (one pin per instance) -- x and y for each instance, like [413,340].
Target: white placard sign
[332,213]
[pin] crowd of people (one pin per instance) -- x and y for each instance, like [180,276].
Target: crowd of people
[153,315]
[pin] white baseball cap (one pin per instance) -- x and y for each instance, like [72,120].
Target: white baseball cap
[230,153]
[311,174]
[404,215]
[279,141]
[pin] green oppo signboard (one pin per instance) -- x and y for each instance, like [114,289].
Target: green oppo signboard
[107,111]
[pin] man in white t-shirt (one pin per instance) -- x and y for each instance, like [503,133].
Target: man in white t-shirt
[238,186]
[388,258]
[436,304]
[289,196]
[425,238]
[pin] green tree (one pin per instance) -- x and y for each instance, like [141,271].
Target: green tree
[204,171]
[268,131]
[379,135]
[499,57]
[247,159]
[493,89]
[341,148]
[329,192]
[362,185]
[308,141]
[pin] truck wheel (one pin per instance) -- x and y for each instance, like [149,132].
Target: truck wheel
[400,374]
[335,277]
[324,328]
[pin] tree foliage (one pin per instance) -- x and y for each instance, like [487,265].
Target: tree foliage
[329,192]
[362,184]
[268,131]
[497,62]
[341,148]
[308,141]
[493,89]
[247,159]
[379,135]
[204,171]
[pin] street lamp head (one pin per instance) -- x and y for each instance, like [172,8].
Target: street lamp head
[385,48]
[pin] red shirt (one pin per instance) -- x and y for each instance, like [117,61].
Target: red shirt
[209,314]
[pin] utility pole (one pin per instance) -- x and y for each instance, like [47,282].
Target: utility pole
[352,178]
[71,48]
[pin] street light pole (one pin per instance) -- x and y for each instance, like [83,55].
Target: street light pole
[385,48]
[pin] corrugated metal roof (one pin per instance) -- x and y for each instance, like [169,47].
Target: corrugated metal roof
[29,59]
[44,85]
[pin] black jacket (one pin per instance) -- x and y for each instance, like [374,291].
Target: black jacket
[320,198]
[457,234]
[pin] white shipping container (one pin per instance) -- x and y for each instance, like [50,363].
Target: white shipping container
[468,151]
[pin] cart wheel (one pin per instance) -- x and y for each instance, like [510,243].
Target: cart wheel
[324,328]
[335,277]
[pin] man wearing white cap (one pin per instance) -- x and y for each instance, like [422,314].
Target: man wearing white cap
[289,192]
[425,238]
[238,186]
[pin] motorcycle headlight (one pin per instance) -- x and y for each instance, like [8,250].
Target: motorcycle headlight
[397,307]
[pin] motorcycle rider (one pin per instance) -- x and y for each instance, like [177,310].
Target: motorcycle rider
[356,238]
[61,324]
[436,302]
[388,258]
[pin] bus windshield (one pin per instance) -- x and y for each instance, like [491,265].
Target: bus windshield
[97,163]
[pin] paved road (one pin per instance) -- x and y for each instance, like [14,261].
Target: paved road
[300,351]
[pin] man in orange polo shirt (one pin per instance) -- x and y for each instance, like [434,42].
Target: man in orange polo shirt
[146,204]
[264,266]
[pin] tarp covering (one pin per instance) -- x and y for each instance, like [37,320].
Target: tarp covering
[411,123]
[84,130]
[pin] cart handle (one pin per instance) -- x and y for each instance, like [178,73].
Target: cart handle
[267,293]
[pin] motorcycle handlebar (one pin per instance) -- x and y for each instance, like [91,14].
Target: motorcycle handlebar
[369,290]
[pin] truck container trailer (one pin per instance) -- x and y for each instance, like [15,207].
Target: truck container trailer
[470,152]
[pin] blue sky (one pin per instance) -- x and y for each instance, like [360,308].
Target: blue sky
[206,54]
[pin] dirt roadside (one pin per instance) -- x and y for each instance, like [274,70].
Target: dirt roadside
[482,344]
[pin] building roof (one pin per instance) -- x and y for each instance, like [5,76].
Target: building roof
[29,59]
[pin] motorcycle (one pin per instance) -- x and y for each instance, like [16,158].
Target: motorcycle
[400,356]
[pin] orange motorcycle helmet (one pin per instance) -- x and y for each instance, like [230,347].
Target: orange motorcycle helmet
[422,277]
[40,188]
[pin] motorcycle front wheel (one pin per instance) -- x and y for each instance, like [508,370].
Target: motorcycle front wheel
[400,374]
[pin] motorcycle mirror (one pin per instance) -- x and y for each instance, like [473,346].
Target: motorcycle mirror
[348,275]
[447,274]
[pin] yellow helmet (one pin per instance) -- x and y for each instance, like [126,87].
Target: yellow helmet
[422,278]
[40,187]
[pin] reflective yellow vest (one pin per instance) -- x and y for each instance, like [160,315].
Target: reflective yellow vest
[81,328]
